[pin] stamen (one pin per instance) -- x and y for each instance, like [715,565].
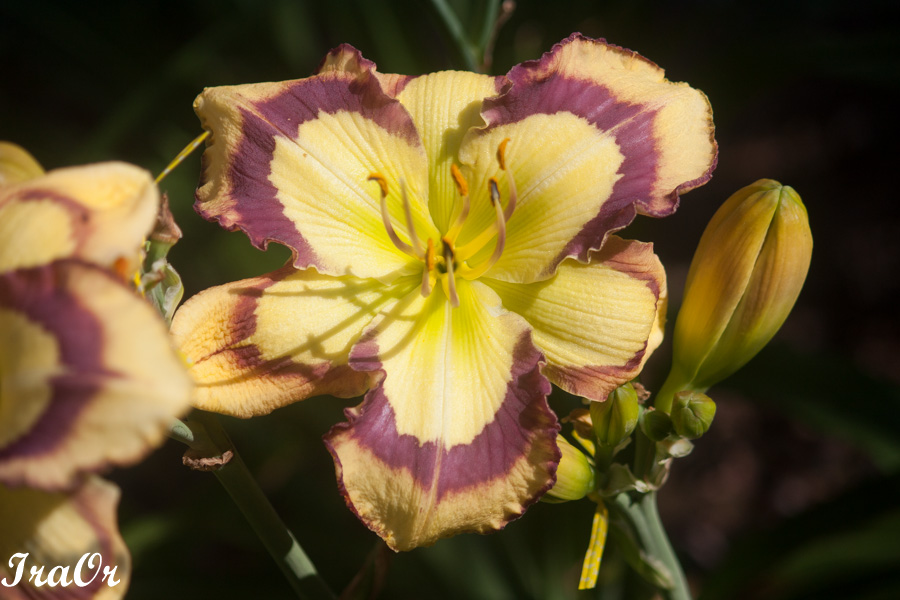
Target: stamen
[513,195]
[481,240]
[382,182]
[463,188]
[429,256]
[501,153]
[386,217]
[416,244]
[500,222]
[462,185]
[449,282]
[429,266]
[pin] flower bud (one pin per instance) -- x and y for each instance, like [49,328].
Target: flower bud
[656,425]
[745,277]
[615,419]
[17,164]
[574,475]
[692,414]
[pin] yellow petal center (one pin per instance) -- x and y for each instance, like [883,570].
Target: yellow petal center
[29,357]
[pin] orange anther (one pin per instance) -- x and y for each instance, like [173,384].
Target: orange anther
[461,183]
[501,153]
[429,255]
[382,182]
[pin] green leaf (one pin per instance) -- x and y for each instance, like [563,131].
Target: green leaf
[850,539]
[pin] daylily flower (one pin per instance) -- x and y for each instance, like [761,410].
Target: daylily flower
[71,539]
[452,253]
[88,374]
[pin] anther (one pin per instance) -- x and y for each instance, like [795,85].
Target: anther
[463,188]
[382,182]
[461,185]
[501,153]
[429,256]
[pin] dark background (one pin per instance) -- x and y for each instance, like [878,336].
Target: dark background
[794,493]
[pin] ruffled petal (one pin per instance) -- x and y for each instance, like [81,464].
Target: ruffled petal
[90,377]
[596,134]
[593,321]
[72,536]
[458,436]
[100,213]
[262,343]
[347,59]
[289,162]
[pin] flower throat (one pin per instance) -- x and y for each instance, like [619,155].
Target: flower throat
[450,260]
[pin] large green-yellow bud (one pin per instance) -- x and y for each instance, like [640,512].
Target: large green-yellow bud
[574,475]
[615,419]
[745,277]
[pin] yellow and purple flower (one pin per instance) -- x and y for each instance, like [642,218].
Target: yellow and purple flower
[88,374]
[452,255]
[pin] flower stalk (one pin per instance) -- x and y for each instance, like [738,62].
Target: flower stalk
[643,514]
[212,449]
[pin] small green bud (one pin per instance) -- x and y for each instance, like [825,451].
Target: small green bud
[656,425]
[615,419]
[574,475]
[692,414]
[744,279]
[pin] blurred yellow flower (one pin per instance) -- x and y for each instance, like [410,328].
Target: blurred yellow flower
[88,375]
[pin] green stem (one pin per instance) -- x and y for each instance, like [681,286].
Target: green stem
[666,394]
[653,534]
[488,22]
[206,437]
[488,29]
[451,22]
[644,454]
